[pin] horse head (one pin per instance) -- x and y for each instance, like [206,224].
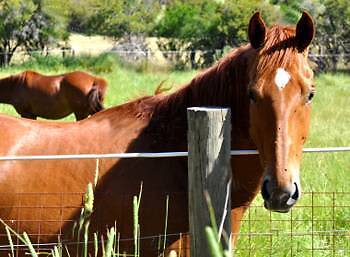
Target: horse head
[280,90]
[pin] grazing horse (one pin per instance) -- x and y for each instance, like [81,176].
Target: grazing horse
[53,97]
[268,85]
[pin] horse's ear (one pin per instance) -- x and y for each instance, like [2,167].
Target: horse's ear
[305,31]
[256,31]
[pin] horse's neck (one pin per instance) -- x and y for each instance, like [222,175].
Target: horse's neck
[8,87]
[224,85]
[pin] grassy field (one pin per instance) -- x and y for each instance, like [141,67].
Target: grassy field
[308,226]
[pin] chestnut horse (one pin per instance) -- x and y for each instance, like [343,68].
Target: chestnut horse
[53,97]
[268,85]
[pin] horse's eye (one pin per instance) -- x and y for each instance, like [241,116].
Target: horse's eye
[310,96]
[251,95]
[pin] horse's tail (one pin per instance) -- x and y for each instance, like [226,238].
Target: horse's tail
[96,96]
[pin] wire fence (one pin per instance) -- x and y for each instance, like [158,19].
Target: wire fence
[317,226]
[183,58]
[144,52]
[153,155]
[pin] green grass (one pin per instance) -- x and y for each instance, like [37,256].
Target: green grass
[321,172]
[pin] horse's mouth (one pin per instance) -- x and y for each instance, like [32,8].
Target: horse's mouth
[280,210]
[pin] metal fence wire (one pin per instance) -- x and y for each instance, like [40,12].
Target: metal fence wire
[319,225]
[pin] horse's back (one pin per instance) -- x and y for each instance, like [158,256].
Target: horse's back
[83,80]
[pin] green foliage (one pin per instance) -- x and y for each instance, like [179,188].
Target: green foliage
[332,19]
[103,63]
[13,15]
[117,18]
[31,24]
[207,26]
[333,30]
[290,9]
[80,13]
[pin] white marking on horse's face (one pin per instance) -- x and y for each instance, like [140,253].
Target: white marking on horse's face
[282,78]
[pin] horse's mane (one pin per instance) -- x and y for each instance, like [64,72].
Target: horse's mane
[225,84]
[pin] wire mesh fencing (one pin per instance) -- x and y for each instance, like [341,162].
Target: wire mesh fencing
[318,226]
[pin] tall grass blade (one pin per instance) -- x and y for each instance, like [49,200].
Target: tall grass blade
[214,245]
[21,238]
[136,207]
[86,238]
[140,194]
[222,223]
[79,226]
[166,222]
[95,244]
[214,226]
[67,251]
[136,218]
[55,252]
[115,238]
[103,246]
[109,243]
[29,245]
[118,245]
[97,170]
[8,233]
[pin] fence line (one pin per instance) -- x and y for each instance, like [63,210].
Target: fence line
[339,232]
[145,52]
[152,155]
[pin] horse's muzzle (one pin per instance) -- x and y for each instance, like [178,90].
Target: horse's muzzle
[279,199]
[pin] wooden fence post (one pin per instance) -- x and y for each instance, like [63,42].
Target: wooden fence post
[209,170]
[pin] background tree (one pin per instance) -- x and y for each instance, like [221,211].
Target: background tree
[208,26]
[13,16]
[80,14]
[31,24]
[118,18]
[331,45]
[47,25]
[332,34]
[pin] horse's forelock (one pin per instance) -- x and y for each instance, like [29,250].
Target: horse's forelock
[279,49]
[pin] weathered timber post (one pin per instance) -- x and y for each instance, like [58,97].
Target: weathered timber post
[209,170]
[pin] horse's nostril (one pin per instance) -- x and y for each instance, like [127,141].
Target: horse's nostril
[284,197]
[264,191]
[295,196]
